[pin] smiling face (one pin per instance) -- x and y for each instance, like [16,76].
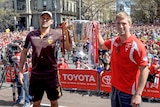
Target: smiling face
[123,23]
[123,26]
[45,21]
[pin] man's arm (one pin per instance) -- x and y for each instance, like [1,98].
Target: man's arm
[136,99]
[22,61]
[144,71]
[101,41]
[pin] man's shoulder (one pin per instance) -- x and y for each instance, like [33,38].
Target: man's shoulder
[58,30]
[37,31]
[138,41]
[57,33]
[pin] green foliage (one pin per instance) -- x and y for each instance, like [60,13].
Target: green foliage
[7,16]
[90,8]
[148,9]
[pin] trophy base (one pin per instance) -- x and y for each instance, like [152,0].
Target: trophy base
[81,55]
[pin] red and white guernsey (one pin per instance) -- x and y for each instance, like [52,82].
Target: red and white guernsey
[18,55]
[126,57]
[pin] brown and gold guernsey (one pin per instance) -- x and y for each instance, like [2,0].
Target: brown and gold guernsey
[44,61]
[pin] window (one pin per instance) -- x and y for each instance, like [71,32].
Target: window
[75,8]
[44,4]
[63,4]
[35,5]
[67,6]
[21,4]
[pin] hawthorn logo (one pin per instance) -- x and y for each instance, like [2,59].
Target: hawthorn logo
[50,40]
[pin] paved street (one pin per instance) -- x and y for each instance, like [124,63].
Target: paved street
[69,99]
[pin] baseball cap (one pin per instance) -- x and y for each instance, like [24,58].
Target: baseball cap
[156,58]
[47,12]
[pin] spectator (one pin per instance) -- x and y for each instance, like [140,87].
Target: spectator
[63,63]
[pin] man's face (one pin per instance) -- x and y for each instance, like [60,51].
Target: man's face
[45,21]
[123,26]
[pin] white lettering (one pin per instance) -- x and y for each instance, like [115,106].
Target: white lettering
[70,77]
[79,77]
[148,85]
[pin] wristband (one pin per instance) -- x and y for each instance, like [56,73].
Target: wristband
[138,94]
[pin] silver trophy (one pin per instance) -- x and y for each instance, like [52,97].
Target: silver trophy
[80,35]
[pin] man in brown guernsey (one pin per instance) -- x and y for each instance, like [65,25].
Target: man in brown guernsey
[44,76]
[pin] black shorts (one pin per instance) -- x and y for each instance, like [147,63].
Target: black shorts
[37,88]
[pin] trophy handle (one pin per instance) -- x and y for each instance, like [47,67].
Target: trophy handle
[66,41]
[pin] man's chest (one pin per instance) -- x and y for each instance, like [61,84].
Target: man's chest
[122,52]
[45,42]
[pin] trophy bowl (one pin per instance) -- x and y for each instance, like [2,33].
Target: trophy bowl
[80,35]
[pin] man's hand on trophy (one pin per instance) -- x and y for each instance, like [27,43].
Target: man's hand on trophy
[66,41]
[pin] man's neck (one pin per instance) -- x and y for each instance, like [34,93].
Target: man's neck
[44,31]
[124,37]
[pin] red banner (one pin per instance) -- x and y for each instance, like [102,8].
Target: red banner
[105,82]
[150,90]
[10,73]
[95,33]
[79,79]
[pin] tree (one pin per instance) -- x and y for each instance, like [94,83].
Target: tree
[149,9]
[7,16]
[91,9]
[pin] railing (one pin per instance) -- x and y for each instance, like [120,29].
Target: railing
[82,79]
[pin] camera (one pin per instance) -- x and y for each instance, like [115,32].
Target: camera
[10,50]
[10,53]
[14,48]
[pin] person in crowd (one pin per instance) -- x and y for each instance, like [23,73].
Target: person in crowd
[23,90]
[106,61]
[1,59]
[78,64]
[154,66]
[44,75]
[63,63]
[26,74]
[82,65]
[15,62]
[129,64]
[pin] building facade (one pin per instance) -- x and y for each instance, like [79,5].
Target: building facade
[30,10]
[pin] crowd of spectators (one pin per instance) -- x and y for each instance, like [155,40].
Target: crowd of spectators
[148,34]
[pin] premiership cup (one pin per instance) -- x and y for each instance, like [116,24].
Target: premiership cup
[81,30]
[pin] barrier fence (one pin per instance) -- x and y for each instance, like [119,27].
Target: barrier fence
[92,80]
[82,79]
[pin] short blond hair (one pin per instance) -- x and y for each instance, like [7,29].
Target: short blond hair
[123,14]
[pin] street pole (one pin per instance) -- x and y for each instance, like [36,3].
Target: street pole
[28,11]
[55,14]
[80,7]
[15,20]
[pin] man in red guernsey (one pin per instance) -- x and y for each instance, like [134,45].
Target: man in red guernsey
[62,63]
[155,71]
[154,68]
[129,64]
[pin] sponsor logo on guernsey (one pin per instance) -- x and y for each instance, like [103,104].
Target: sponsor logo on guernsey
[50,40]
